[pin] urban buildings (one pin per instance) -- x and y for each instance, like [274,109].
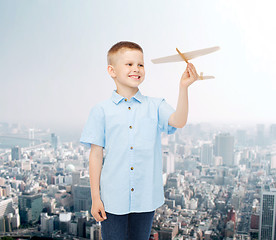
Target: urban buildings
[268,214]
[217,184]
[30,207]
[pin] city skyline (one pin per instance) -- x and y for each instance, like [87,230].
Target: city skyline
[53,58]
[212,187]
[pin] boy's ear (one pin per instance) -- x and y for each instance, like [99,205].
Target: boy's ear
[111,71]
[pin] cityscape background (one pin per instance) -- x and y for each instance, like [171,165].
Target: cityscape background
[218,184]
[219,171]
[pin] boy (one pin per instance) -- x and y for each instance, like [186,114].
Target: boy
[127,186]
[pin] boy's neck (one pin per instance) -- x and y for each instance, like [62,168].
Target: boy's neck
[127,93]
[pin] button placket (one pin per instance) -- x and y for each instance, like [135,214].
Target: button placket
[131,142]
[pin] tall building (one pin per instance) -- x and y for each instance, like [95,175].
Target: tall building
[30,206]
[6,207]
[54,141]
[206,154]
[168,162]
[31,133]
[31,136]
[76,177]
[64,221]
[16,153]
[2,224]
[272,132]
[95,231]
[260,136]
[81,227]
[271,158]
[46,223]
[5,191]
[267,225]
[15,219]
[82,198]
[224,147]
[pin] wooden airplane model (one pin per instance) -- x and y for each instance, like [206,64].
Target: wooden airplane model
[187,56]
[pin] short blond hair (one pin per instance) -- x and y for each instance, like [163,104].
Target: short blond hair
[122,45]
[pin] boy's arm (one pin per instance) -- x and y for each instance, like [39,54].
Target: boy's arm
[178,119]
[95,167]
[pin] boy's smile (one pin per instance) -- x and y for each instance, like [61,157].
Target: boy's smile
[127,68]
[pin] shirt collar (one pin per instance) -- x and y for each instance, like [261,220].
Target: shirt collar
[116,98]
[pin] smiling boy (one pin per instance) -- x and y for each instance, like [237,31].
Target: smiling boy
[127,186]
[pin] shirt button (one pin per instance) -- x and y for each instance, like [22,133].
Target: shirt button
[125,99]
[131,168]
[131,148]
[129,108]
[130,127]
[132,189]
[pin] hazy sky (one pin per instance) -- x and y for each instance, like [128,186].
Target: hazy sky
[53,57]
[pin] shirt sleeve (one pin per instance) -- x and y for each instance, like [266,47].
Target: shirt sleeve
[94,129]
[164,113]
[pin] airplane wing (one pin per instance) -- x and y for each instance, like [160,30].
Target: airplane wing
[187,55]
[201,77]
[205,77]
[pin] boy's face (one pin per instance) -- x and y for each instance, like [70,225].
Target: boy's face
[127,68]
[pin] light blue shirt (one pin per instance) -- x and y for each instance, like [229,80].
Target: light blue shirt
[130,131]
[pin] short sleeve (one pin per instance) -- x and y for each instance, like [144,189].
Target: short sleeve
[164,113]
[94,129]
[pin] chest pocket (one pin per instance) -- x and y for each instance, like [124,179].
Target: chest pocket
[148,129]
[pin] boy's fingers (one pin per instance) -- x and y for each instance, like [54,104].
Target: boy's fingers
[103,214]
[194,73]
[186,73]
[186,70]
[192,67]
[97,216]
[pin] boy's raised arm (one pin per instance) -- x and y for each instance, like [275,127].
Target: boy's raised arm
[178,119]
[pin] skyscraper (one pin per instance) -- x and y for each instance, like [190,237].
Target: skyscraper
[54,141]
[16,153]
[6,206]
[76,177]
[224,147]
[30,207]
[31,136]
[260,136]
[168,162]
[272,132]
[267,224]
[206,154]
[82,198]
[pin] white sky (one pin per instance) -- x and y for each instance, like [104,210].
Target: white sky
[53,57]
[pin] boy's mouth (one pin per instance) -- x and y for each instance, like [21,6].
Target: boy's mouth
[134,76]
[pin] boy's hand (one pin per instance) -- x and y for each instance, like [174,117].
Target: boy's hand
[97,210]
[189,76]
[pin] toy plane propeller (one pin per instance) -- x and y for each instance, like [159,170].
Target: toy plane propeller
[187,56]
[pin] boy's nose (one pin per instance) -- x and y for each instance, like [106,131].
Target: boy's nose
[135,69]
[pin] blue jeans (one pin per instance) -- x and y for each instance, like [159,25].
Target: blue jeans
[131,226]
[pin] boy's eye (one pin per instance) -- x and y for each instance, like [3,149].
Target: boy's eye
[129,64]
[141,65]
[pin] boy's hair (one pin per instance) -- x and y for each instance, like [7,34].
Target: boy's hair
[120,45]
